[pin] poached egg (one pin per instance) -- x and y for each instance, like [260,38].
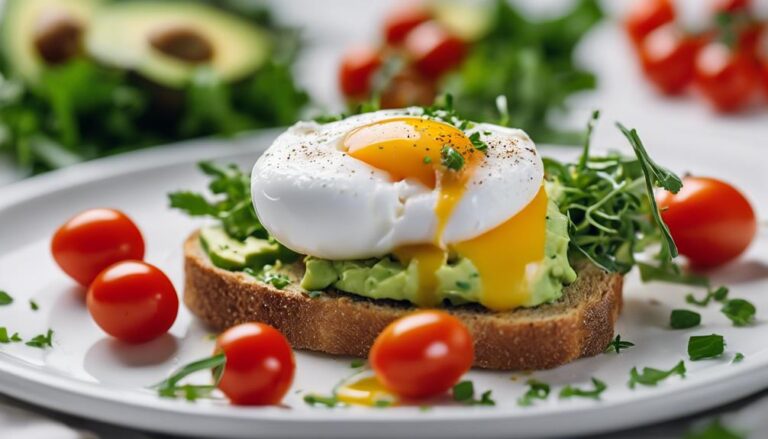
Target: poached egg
[380,184]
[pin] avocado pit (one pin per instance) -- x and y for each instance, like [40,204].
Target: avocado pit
[183,43]
[58,36]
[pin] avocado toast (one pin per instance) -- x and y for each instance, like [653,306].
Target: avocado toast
[576,234]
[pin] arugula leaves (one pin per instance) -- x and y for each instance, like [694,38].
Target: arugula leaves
[651,377]
[611,208]
[528,62]
[232,207]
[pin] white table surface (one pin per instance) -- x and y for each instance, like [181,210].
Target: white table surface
[331,25]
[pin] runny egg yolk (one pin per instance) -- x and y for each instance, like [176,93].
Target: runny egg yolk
[411,147]
[366,391]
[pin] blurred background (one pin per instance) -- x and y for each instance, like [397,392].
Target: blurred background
[86,78]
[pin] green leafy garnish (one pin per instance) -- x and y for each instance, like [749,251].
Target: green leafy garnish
[738,358]
[478,143]
[714,430]
[328,401]
[464,392]
[651,376]
[41,341]
[684,319]
[269,276]
[527,62]
[705,346]
[33,305]
[610,205]
[427,160]
[232,206]
[170,387]
[536,390]
[357,363]
[5,298]
[570,391]
[718,295]
[451,159]
[5,338]
[741,312]
[618,344]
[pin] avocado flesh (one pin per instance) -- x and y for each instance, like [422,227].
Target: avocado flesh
[122,36]
[231,254]
[20,23]
[458,281]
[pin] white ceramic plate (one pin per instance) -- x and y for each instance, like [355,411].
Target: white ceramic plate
[90,375]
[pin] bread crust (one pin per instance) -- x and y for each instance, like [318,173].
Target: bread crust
[580,324]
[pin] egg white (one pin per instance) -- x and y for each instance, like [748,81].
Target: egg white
[317,200]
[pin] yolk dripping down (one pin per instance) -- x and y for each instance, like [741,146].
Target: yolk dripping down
[410,147]
[367,391]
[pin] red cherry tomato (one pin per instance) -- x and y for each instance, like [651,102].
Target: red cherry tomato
[433,49]
[260,364]
[728,79]
[711,222]
[357,69]
[93,240]
[646,16]
[727,6]
[408,88]
[133,301]
[761,52]
[668,57]
[423,354]
[402,20]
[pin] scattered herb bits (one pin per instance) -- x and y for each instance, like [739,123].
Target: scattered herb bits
[570,391]
[357,363]
[5,298]
[170,388]
[714,430]
[451,159]
[738,358]
[33,305]
[41,341]
[617,345]
[684,319]
[5,338]
[321,400]
[741,312]
[464,392]
[651,377]
[536,390]
[718,295]
[701,347]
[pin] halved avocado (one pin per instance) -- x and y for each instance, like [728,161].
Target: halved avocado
[38,33]
[166,41]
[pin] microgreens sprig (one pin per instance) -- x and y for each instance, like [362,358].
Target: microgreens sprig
[464,392]
[570,391]
[617,345]
[652,377]
[536,390]
[170,387]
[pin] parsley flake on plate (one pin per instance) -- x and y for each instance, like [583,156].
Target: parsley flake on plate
[464,392]
[570,391]
[170,387]
[617,345]
[741,312]
[684,319]
[5,298]
[41,341]
[651,377]
[702,347]
[536,390]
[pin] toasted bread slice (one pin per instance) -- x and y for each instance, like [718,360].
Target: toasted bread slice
[580,324]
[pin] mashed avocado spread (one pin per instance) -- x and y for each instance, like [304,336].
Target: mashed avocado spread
[458,280]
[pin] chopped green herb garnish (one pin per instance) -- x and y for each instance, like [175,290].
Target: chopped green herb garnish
[618,344]
[33,305]
[536,390]
[651,376]
[277,280]
[357,363]
[451,159]
[328,401]
[714,430]
[170,388]
[478,143]
[741,312]
[427,159]
[464,392]
[570,391]
[684,319]
[41,341]
[701,347]
[382,403]
[5,298]
[738,358]
[718,295]
[4,338]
